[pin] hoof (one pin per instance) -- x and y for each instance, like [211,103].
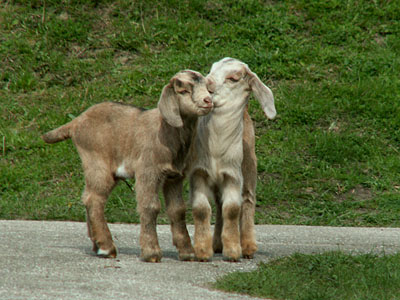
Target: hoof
[232,254]
[203,259]
[153,257]
[105,253]
[248,256]
[203,254]
[231,259]
[248,250]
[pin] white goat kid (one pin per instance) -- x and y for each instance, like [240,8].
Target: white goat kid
[217,157]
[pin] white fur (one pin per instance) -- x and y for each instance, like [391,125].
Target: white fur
[102,252]
[218,147]
[121,172]
[219,141]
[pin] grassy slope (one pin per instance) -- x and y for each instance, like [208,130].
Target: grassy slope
[330,158]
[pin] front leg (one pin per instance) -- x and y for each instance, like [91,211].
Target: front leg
[176,210]
[231,207]
[200,194]
[148,206]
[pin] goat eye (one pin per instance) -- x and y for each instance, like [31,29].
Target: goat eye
[232,79]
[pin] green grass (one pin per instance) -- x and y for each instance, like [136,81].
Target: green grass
[330,158]
[332,275]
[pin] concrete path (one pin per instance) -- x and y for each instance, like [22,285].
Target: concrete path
[53,260]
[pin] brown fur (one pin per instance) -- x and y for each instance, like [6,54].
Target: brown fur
[249,170]
[116,141]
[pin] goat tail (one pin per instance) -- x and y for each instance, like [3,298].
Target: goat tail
[57,135]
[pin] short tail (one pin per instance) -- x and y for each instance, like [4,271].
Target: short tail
[57,135]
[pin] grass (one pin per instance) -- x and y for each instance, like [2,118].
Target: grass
[331,275]
[330,158]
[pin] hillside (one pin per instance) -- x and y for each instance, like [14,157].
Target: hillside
[332,156]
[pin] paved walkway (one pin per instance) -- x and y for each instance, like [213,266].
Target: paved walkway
[53,260]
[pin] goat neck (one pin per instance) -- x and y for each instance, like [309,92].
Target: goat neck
[178,139]
[224,125]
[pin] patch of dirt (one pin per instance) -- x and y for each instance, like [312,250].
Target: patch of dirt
[359,192]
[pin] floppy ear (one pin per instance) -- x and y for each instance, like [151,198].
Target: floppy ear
[263,94]
[169,106]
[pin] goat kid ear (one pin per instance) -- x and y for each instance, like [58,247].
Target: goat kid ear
[263,94]
[169,106]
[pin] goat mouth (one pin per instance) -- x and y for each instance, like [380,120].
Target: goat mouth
[207,107]
[203,110]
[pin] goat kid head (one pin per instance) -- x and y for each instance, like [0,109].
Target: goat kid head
[234,81]
[186,95]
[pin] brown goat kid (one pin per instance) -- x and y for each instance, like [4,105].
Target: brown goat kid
[117,141]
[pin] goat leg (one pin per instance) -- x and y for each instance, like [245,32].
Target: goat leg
[217,242]
[176,210]
[247,232]
[249,170]
[148,207]
[202,216]
[231,207]
[98,230]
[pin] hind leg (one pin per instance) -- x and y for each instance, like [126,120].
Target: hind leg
[219,222]
[247,232]
[249,171]
[94,200]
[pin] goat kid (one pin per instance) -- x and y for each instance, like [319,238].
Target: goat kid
[221,155]
[117,141]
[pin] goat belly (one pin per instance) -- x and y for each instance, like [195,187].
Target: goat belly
[218,172]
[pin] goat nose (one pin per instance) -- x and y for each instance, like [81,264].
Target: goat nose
[207,100]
